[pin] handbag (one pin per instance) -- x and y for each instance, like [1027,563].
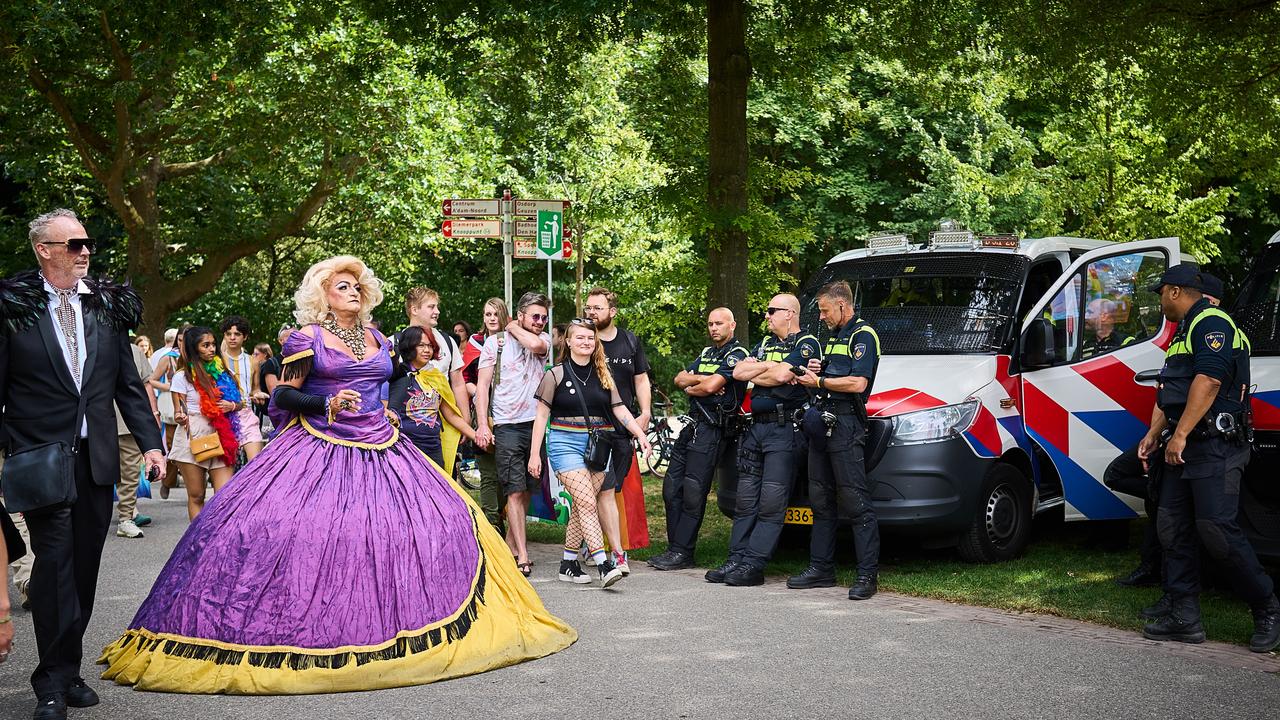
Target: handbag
[206,447]
[42,478]
[599,449]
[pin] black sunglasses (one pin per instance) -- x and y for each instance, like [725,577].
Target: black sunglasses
[584,322]
[75,246]
[772,310]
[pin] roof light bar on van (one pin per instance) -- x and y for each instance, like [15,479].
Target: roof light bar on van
[888,243]
[951,239]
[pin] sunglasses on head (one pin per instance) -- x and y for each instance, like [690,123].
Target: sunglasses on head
[584,322]
[75,246]
[772,310]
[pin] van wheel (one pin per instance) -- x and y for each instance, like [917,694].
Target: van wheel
[1002,523]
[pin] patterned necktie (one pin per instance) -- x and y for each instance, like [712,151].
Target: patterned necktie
[67,319]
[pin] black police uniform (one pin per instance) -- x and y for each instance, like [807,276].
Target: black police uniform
[837,471]
[701,446]
[1199,499]
[1094,345]
[769,453]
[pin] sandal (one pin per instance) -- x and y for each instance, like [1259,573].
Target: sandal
[526,568]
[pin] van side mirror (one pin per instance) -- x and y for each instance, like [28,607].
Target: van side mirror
[1037,345]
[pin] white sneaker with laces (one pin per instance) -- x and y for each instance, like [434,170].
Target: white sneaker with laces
[128,529]
[620,561]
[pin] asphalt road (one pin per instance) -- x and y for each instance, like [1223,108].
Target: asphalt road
[668,645]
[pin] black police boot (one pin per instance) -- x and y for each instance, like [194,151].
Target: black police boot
[812,577]
[676,561]
[744,575]
[863,588]
[717,575]
[1181,624]
[661,557]
[1266,626]
[1160,609]
[1144,575]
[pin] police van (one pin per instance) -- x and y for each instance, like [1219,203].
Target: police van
[1012,372]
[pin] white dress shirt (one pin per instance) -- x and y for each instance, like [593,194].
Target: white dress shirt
[78,373]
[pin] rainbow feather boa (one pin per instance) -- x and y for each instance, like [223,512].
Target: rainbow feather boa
[227,426]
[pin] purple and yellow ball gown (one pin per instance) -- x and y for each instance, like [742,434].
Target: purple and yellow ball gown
[339,559]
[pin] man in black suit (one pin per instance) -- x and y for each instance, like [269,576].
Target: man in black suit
[61,335]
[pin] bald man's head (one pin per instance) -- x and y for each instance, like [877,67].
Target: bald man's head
[783,314]
[720,325]
[785,300]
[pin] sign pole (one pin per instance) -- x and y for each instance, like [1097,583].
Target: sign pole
[550,323]
[508,248]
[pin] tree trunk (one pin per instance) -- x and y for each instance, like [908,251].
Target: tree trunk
[729,71]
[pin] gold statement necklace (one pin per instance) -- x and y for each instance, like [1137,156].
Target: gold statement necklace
[352,337]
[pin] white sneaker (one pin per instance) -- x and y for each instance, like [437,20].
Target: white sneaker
[620,561]
[128,529]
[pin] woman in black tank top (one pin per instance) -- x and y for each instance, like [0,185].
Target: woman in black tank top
[575,398]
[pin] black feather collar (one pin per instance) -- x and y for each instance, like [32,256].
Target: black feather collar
[23,298]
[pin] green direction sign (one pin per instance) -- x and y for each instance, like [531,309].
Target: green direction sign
[550,234]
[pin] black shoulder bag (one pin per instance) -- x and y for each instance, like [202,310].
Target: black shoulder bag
[598,446]
[42,478]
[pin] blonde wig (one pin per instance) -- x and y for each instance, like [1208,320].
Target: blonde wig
[310,299]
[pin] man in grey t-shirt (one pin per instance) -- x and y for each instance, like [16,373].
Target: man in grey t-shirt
[517,358]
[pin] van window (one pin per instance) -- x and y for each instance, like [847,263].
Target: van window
[1107,306]
[1257,308]
[929,303]
[1043,274]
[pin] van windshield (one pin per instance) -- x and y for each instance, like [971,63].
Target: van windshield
[1257,308]
[929,303]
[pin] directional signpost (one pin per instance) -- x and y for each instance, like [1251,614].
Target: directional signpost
[454,207]
[471,228]
[496,218]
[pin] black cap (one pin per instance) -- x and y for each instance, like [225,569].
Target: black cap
[1185,275]
[1213,287]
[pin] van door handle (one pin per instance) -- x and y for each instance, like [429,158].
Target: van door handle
[1146,377]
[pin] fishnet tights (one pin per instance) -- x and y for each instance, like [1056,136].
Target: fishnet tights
[583,486]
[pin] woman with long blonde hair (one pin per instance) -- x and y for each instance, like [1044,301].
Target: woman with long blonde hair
[578,397]
[340,558]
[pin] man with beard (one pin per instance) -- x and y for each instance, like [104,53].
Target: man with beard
[630,370]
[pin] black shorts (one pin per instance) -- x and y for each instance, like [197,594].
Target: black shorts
[511,455]
[624,454]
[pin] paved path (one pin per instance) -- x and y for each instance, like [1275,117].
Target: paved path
[668,645]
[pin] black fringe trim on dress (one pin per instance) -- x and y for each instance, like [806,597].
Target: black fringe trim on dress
[293,660]
[299,368]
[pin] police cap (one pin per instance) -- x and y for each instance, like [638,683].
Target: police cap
[1213,286]
[1185,275]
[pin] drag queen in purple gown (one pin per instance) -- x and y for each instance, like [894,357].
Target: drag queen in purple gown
[340,558]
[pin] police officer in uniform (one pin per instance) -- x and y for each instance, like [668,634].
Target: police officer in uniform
[837,430]
[1200,431]
[714,404]
[769,451]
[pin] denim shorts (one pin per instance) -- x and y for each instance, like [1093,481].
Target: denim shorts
[567,449]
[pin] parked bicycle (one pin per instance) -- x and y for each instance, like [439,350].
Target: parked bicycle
[663,430]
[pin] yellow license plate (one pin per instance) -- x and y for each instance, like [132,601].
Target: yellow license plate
[798,516]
